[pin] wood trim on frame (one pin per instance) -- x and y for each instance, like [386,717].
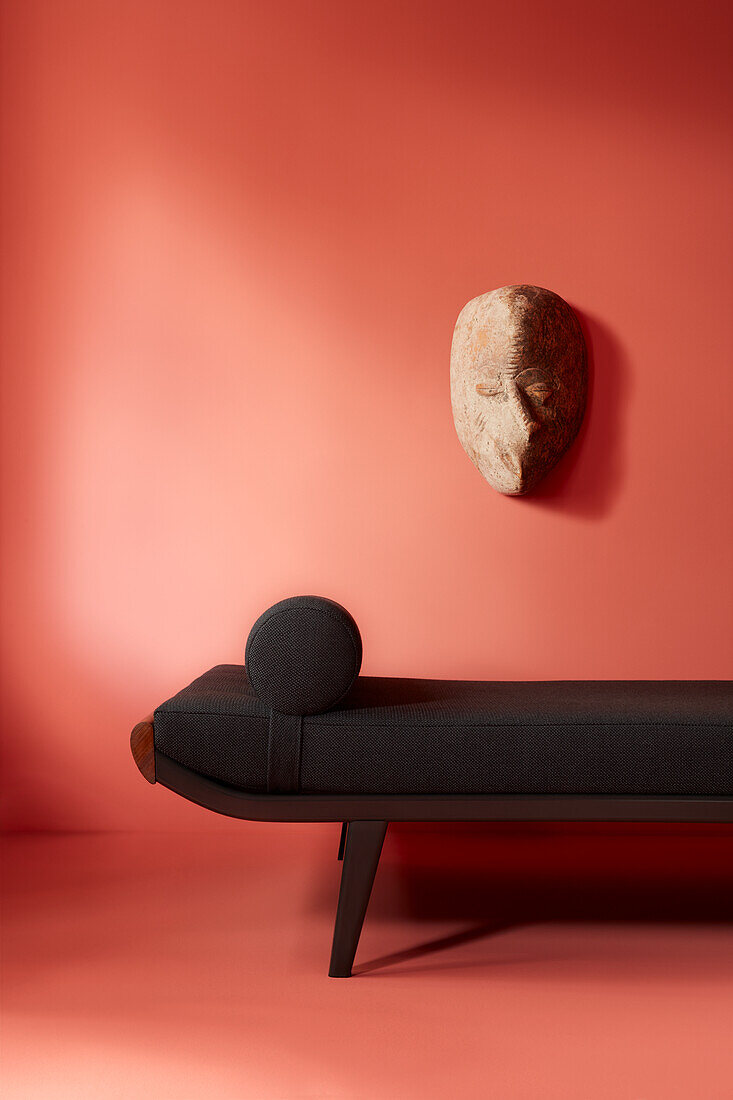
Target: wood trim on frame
[142,744]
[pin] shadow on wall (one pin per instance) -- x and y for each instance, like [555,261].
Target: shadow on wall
[587,480]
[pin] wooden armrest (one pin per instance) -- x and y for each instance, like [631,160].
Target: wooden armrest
[143,748]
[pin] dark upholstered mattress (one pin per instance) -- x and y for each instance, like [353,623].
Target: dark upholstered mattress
[395,736]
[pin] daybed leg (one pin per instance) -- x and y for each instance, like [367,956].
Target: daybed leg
[342,840]
[364,841]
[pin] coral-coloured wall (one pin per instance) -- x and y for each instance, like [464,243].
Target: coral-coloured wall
[237,237]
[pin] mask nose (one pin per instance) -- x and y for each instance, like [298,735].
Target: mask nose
[519,410]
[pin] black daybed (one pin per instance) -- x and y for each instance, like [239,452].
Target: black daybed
[298,735]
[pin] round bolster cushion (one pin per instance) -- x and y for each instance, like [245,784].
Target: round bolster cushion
[303,654]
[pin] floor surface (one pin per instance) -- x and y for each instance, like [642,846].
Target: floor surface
[518,962]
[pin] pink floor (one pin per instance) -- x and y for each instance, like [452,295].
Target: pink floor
[529,962]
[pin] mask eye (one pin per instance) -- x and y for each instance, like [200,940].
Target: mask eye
[490,388]
[536,385]
[538,392]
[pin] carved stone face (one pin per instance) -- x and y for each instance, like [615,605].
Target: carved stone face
[518,384]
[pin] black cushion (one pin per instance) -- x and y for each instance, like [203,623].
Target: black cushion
[395,736]
[303,655]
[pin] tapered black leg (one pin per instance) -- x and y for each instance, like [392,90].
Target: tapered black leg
[364,841]
[342,840]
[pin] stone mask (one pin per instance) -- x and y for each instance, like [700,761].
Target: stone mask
[518,384]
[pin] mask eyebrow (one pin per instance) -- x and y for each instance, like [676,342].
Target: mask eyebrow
[533,375]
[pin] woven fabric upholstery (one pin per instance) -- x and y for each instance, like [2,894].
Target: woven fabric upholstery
[395,736]
[303,654]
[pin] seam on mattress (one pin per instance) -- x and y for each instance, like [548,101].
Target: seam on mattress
[466,725]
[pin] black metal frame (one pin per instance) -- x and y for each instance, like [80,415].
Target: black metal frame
[368,816]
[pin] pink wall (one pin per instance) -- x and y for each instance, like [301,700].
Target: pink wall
[238,236]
